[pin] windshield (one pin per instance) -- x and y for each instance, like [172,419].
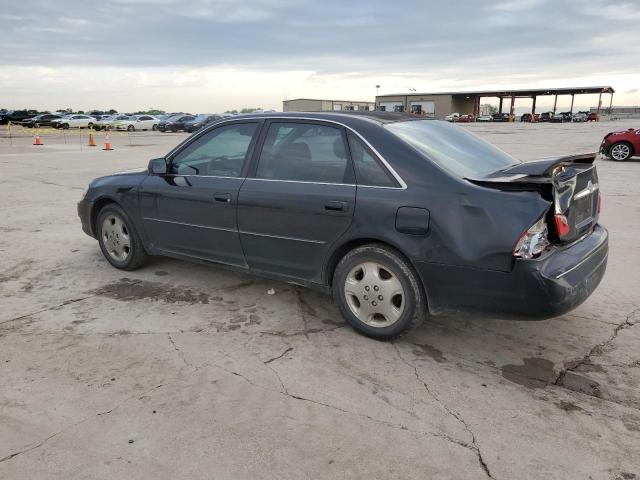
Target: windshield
[452,147]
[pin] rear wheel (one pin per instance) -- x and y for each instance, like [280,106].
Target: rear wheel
[378,292]
[65,126]
[131,128]
[118,239]
[620,151]
[154,128]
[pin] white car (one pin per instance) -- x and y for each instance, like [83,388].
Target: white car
[107,122]
[137,122]
[485,118]
[74,120]
[454,117]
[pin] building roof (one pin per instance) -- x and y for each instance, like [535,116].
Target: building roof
[525,92]
[327,100]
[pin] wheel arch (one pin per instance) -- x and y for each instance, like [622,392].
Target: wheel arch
[98,205]
[351,244]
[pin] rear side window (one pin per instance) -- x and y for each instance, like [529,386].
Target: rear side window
[453,148]
[221,152]
[368,169]
[303,152]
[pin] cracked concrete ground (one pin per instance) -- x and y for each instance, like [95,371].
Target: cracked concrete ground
[185,371]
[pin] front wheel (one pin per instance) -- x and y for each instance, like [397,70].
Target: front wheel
[65,126]
[118,239]
[154,128]
[378,292]
[620,151]
[131,128]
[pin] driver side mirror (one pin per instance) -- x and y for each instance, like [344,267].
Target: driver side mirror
[157,166]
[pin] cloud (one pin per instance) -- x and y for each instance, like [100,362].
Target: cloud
[401,44]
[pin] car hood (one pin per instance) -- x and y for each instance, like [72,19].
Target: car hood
[621,132]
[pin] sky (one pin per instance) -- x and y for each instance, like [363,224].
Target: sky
[215,55]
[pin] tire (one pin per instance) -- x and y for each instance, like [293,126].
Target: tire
[65,126]
[620,151]
[378,292]
[90,125]
[35,125]
[118,239]
[131,128]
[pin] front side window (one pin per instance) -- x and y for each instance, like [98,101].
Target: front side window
[452,147]
[303,152]
[221,152]
[368,169]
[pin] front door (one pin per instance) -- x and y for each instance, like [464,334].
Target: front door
[192,210]
[300,200]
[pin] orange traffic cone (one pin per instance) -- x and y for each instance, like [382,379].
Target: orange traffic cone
[107,142]
[92,142]
[36,139]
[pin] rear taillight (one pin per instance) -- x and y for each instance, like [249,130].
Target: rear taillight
[562,225]
[532,242]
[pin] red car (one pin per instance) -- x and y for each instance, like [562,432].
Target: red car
[592,117]
[621,146]
[466,118]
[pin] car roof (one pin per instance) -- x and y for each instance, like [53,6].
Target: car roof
[350,118]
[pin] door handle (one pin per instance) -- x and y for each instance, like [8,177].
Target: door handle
[222,197]
[335,206]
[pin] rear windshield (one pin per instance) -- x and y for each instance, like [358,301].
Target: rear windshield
[452,147]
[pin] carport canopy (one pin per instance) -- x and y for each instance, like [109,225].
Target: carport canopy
[535,93]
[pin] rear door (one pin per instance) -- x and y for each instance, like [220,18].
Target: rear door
[300,200]
[192,209]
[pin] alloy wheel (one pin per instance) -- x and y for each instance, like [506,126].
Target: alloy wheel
[620,151]
[374,294]
[116,238]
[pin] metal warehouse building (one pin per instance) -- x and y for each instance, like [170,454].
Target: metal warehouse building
[313,105]
[439,105]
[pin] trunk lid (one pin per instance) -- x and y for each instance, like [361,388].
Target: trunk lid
[570,182]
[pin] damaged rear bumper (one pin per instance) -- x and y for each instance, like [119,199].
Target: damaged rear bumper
[535,289]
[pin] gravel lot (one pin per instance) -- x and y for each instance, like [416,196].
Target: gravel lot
[185,371]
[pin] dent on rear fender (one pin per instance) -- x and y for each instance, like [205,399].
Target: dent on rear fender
[481,231]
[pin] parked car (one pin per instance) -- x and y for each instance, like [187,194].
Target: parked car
[545,117]
[485,118]
[452,117]
[500,117]
[592,117]
[579,117]
[106,122]
[622,145]
[42,120]
[175,123]
[136,122]
[389,237]
[561,117]
[74,120]
[17,116]
[529,117]
[200,121]
[467,118]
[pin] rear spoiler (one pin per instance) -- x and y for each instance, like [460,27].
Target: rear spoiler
[534,172]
